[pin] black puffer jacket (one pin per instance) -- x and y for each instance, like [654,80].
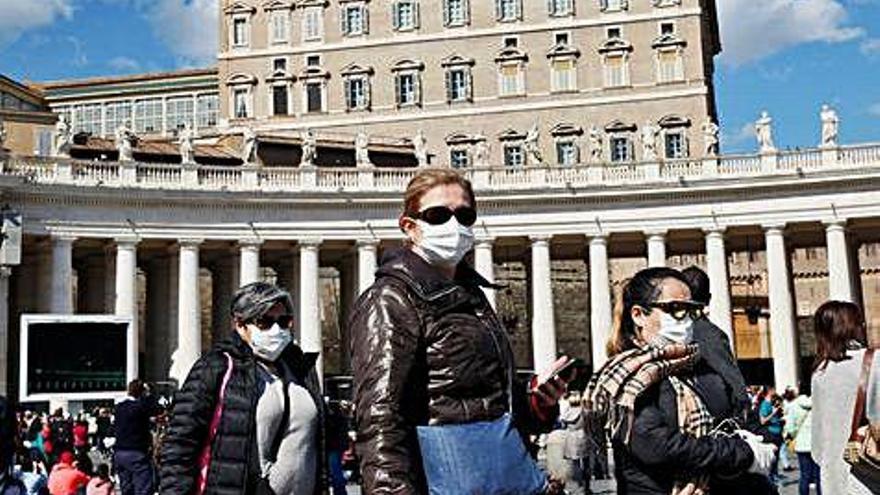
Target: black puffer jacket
[234,468]
[426,350]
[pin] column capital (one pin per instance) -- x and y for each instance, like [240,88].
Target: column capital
[61,237]
[250,243]
[309,243]
[126,241]
[714,230]
[836,224]
[367,242]
[598,239]
[484,241]
[774,228]
[189,242]
[655,233]
[537,239]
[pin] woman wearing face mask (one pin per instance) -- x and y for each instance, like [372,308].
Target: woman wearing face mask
[654,399]
[430,357]
[248,417]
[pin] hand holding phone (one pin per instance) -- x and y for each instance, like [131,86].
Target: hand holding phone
[550,385]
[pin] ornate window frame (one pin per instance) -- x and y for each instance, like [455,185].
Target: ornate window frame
[565,52]
[456,63]
[276,8]
[312,7]
[669,43]
[567,133]
[619,130]
[413,68]
[566,11]
[671,125]
[512,145]
[280,78]
[345,6]
[466,14]
[616,48]
[395,16]
[500,8]
[236,83]
[516,58]
[239,11]
[355,72]
[314,74]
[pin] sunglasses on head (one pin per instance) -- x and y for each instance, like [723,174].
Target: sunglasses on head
[438,215]
[680,309]
[266,322]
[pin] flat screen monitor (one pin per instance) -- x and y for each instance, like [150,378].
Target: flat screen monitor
[75,357]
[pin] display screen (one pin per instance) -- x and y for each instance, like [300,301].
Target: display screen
[76,357]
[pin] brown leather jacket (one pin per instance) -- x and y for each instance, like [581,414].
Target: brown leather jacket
[427,350]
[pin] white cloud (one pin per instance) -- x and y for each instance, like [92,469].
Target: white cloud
[752,30]
[187,27]
[874,109]
[21,15]
[124,64]
[739,137]
[870,46]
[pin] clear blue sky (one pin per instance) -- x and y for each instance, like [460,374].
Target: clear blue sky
[786,56]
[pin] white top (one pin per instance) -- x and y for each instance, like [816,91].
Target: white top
[834,397]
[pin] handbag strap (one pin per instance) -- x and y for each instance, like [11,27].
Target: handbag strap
[861,396]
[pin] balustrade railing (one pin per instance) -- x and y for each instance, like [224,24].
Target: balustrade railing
[282,179]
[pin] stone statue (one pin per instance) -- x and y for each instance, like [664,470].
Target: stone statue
[649,141]
[125,143]
[481,154]
[531,148]
[63,138]
[764,133]
[596,144]
[830,126]
[362,150]
[420,148]
[309,148]
[710,138]
[185,140]
[248,145]
[2,134]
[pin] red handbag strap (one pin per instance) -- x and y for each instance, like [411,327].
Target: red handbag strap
[861,396]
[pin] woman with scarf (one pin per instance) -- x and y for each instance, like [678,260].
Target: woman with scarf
[658,403]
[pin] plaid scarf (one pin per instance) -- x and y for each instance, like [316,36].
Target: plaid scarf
[609,400]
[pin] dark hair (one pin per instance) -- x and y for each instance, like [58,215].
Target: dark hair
[698,281]
[103,471]
[256,299]
[136,388]
[837,323]
[641,290]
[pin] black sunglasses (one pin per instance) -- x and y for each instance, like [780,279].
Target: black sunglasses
[680,309]
[266,322]
[438,215]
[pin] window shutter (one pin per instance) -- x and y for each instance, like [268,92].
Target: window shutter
[499,9]
[349,103]
[466,7]
[395,15]
[368,93]
[417,84]
[448,86]
[550,9]
[631,151]
[469,85]
[577,152]
[365,15]
[343,20]
[417,15]
[519,10]
[446,18]
[397,89]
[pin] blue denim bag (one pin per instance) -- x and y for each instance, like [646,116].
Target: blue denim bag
[483,458]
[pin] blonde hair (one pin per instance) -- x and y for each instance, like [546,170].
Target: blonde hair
[428,179]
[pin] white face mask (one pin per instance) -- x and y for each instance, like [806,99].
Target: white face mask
[674,331]
[268,344]
[445,244]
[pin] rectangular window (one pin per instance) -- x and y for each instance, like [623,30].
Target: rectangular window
[208,110]
[314,97]
[179,112]
[511,42]
[507,10]
[563,75]
[675,147]
[406,89]
[313,61]
[405,15]
[280,26]
[614,33]
[667,28]
[613,5]
[455,12]
[313,23]
[615,71]
[279,65]
[458,158]
[44,142]
[557,8]
[148,115]
[88,118]
[239,31]
[356,93]
[513,155]
[620,149]
[458,85]
[116,114]
[561,39]
[669,66]
[566,153]
[510,77]
[279,100]
[240,103]
[353,20]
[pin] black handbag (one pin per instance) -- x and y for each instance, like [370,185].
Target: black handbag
[862,450]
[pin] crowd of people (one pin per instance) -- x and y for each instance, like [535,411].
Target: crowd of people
[439,408]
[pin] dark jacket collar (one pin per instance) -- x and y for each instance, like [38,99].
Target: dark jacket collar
[426,280]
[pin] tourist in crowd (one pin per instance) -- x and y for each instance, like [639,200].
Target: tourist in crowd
[568,449]
[428,349]
[840,349]
[66,478]
[772,418]
[9,484]
[248,417]
[798,429]
[33,474]
[789,397]
[656,401]
[100,484]
[80,434]
[336,441]
[103,428]
[132,458]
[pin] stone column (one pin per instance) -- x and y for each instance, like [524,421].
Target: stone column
[310,311]
[366,263]
[840,285]
[600,300]
[543,327]
[189,331]
[126,296]
[61,295]
[5,273]
[485,265]
[656,249]
[719,282]
[783,331]
[249,251]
